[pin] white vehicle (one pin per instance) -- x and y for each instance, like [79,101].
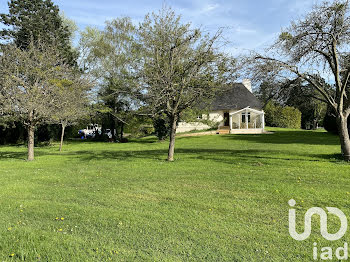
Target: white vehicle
[108,131]
[90,131]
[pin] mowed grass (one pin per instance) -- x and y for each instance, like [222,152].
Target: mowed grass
[225,198]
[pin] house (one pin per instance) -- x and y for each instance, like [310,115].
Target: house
[235,110]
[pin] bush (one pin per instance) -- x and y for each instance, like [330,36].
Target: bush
[270,114]
[12,133]
[279,116]
[147,130]
[330,122]
[161,127]
[139,126]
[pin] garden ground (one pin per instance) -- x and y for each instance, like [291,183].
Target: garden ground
[225,198]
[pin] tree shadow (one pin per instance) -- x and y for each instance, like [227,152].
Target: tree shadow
[13,155]
[290,137]
[222,155]
[226,156]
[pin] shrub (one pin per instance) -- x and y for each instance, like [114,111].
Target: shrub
[279,116]
[161,127]
[270,113]
[330,122]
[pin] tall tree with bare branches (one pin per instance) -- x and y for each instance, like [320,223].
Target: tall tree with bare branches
[70,102]
[316,45]
[28,81]
[180,66]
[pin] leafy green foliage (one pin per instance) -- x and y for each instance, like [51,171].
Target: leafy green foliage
[284,36]
[139,126]
[330,123]
[282,116]
[307,101]
[109,56]
[39,88]
[12,133]
[161,127]
[298,94]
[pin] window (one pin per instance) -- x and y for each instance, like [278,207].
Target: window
[243,117]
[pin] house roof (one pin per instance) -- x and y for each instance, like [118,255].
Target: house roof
[235,97]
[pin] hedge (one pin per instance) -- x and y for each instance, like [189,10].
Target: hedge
[282,116]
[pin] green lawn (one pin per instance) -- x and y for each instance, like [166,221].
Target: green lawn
[225,198]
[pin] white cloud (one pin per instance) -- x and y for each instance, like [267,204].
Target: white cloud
[209,8]
[242,30]
[249,24]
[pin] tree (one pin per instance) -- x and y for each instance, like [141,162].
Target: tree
[296,94]
[31,20]
[70,100]
[316,45]
[307,100]
[161,127]
[27,81]
[109,55]
[180,67]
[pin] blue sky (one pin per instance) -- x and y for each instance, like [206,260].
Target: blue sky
[251,24]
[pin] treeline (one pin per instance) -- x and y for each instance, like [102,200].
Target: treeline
[292,104]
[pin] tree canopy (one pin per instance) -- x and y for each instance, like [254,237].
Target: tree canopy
[109,55]
[180,66]
[31,20]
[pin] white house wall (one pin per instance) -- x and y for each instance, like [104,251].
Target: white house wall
[218,117]
[187,127]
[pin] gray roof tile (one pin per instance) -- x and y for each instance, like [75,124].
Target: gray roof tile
[235,97]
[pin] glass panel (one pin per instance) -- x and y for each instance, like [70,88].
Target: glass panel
[243,118]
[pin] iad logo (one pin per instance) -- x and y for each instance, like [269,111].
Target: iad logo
[326,253]
[323,222]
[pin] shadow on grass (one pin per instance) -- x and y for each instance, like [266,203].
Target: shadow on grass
[222,155]
[290,137]
[229,156]
[13,155]
[216,155]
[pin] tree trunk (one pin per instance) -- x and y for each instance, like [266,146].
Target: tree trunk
[121,132]
[344,136]
[113,127]
[30,130]
[62,136]
[173,121]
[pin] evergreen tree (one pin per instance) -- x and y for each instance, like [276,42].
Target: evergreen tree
[33,20]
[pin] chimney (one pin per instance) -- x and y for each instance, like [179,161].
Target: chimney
[248,84]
